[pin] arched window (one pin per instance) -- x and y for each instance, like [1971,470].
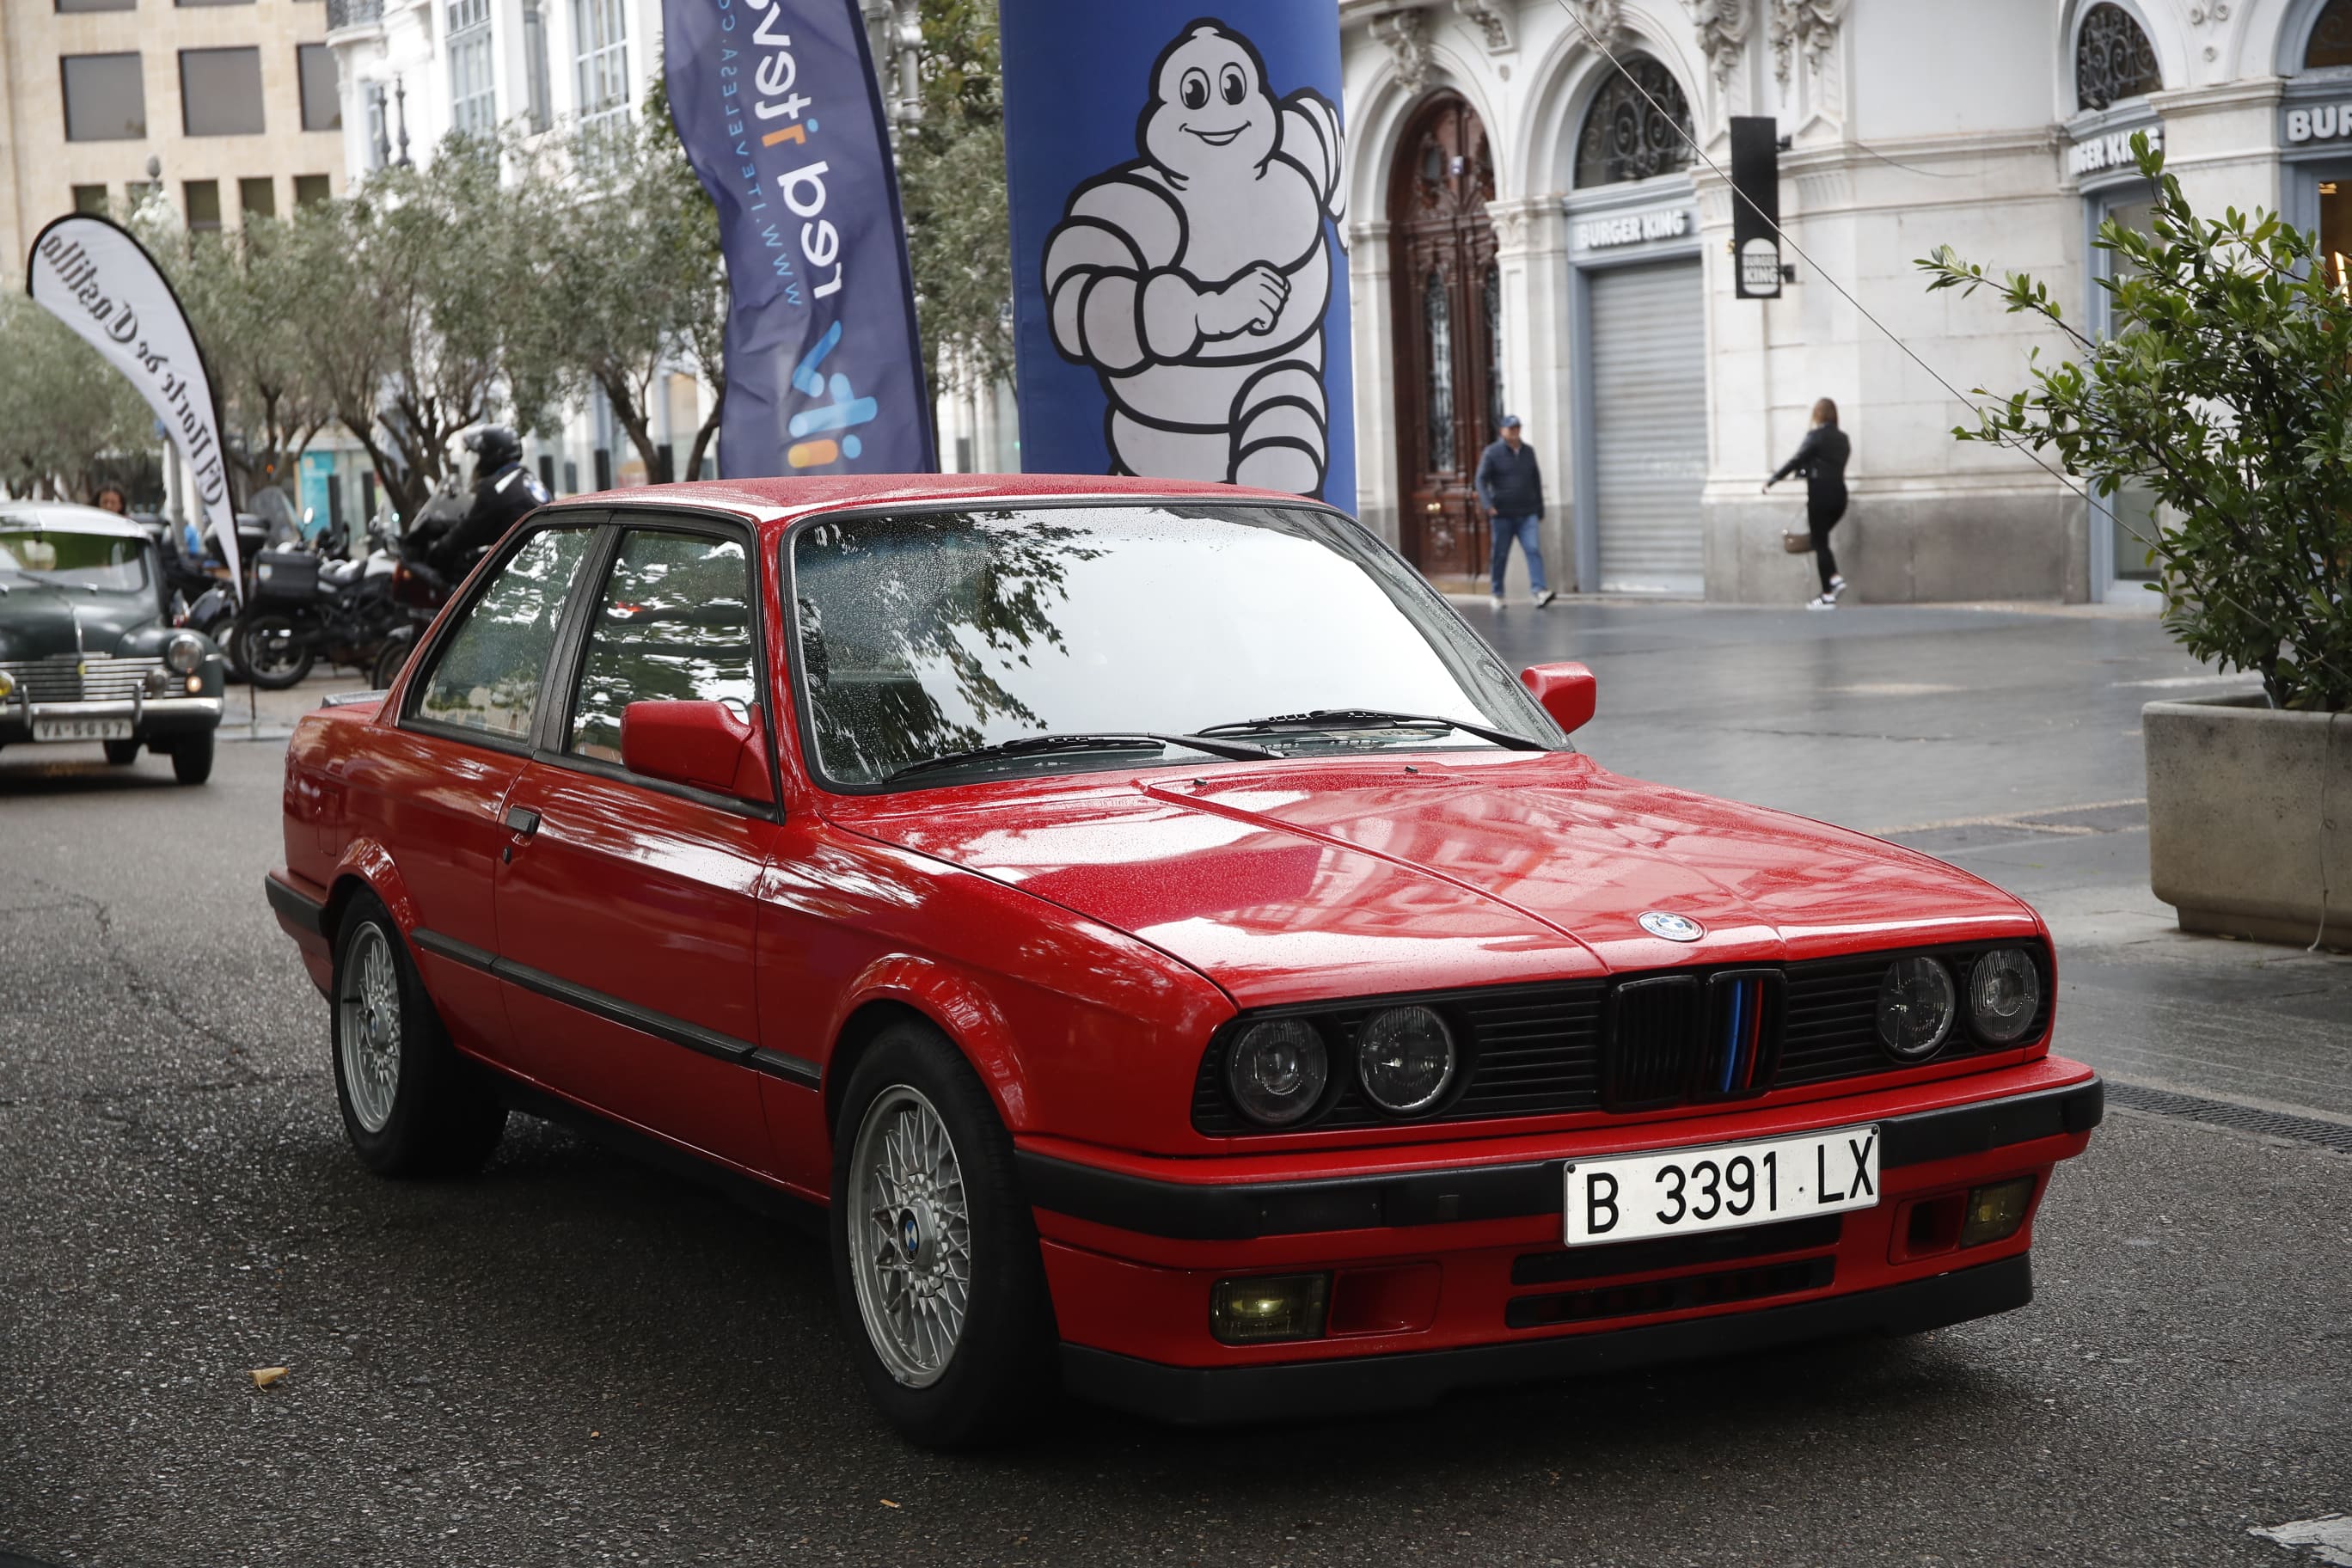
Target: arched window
[1626,136]
[2331,38]
[2113,58]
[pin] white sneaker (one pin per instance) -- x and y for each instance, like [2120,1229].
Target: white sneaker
[1837,587]
[1546,598]
[1496,600]
[1822,602]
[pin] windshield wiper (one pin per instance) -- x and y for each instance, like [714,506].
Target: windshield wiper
[1041,745]
[1373,719]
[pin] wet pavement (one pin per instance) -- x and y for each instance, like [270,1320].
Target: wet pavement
[574,1360]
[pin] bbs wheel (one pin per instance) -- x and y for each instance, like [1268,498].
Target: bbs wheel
[935,1252]
[412,1105]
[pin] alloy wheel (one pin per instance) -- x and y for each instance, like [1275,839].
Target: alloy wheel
[369,1035]
[910,1235]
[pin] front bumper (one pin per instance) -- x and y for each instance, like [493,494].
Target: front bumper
[150,719]
[1472,1233]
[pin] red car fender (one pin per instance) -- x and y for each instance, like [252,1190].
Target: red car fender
[369,863]
[961,1009]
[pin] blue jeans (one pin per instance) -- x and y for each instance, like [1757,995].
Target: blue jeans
[1529,531]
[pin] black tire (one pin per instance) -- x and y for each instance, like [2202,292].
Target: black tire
[273,651]
[1001,1374]
[192,758]
[121,754]
[389,660]
[224,633]
[442,1116]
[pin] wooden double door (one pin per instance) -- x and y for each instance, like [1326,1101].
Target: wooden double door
[1447,293]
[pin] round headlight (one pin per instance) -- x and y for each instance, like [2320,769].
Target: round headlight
[2004,996]
[1277,1071]
[184,652]
[7,685]
[1405,1056]
[1914,1007]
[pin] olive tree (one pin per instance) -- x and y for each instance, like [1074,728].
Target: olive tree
[64,411]
[2225,389]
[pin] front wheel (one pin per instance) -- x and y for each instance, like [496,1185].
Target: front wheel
[121,754]
[412,1105]
[935,1250]
[192,758]
[277,655]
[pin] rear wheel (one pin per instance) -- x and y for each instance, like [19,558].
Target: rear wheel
[935,1250]
[275,652]
[192,758]
[122,754]
[412,1105]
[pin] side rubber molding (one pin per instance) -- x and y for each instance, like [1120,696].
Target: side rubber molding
[1202,1397]
[1243,1211]
[295,908]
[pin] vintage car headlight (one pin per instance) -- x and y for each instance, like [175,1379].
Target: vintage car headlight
[7,686]
[1916,1004]
[2004,996]
[184,652]
[1405,1056]
[1276,1070]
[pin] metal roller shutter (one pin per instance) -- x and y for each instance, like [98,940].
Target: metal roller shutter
[1649,420]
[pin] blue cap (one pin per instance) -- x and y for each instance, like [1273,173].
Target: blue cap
[1510,422]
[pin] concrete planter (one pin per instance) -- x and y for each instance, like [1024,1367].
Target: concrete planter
[2238,840]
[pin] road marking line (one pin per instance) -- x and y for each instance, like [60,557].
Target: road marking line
[2328,1538]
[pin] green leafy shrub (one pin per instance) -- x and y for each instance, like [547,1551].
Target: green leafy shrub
[2225,391]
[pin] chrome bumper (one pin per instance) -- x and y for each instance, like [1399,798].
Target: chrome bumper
[139,710]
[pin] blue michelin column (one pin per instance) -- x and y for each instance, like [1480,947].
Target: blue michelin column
[1179,197]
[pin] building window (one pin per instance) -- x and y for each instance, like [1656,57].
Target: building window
[473,91]
[220,93]
[535,59]
[67,8]
[1437,349]
[1639,125]
[309,189]
[600,35]
[2113,58]
[90,199]
[1491,297]
[322,101]
[2331,38]
[212,2]
[257,197]
[379,125]
[106,97]
[204,206]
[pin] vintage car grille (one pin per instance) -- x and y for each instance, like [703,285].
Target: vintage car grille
[69,677]
[1640,1042]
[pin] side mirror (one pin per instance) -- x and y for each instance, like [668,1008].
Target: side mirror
[705,744]
[1567,693]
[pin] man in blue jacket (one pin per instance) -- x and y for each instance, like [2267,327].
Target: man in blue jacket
[1510,487]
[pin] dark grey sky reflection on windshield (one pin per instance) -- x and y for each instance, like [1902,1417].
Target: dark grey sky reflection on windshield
[933,633]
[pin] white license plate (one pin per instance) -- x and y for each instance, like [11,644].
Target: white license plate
[81,728]
[1722,1186]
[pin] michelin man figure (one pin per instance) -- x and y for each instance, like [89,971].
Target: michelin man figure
[1193,280]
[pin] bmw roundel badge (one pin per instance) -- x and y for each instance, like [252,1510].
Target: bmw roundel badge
[1674,928]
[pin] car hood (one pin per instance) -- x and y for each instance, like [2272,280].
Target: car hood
[39,622]
[1302,879]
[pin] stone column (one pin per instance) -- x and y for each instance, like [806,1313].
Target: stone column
[1531,255]
[1372,340]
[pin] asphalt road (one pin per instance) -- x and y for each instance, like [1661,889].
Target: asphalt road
[573,1359]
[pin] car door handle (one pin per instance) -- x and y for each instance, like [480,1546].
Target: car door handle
[523,822]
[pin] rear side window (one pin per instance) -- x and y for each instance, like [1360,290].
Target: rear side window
[489,672]
[673,624]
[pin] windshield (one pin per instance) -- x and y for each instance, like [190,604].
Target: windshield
[929,635]
[101,561]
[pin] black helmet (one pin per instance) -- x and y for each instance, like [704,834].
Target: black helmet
[494,447]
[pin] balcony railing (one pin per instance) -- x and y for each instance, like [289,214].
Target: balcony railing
[341,14]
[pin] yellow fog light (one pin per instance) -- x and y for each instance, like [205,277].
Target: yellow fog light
[195,684]
[1996,1212]
[1280,1306]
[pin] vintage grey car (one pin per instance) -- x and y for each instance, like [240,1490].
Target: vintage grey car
[87,651]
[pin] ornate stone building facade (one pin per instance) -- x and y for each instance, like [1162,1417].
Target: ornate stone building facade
[1533,234]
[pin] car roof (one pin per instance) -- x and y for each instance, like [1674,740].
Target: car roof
[66,516]
[787,500]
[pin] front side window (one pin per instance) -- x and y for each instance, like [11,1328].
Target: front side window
[489,672]
[105,561]
[932,635]
[674,624]
[106,97]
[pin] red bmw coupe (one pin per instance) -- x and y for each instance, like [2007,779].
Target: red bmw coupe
[1179,959]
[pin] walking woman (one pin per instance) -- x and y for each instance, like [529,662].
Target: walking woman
[1821,459]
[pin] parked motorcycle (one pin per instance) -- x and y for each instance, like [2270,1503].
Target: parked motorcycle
[417,590]
[306,604]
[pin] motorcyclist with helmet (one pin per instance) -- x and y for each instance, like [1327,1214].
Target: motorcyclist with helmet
[504,491]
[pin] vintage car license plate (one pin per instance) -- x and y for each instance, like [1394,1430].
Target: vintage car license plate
[1721,1186]
[81,728]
